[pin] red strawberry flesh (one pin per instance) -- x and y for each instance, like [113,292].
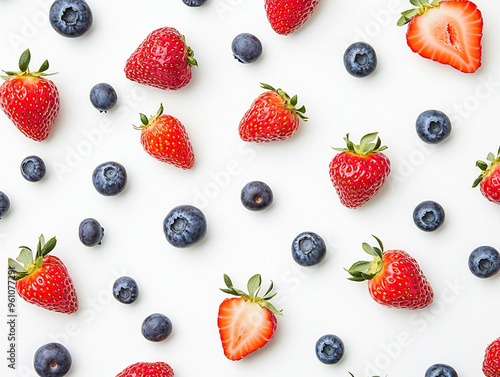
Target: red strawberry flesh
[449,33]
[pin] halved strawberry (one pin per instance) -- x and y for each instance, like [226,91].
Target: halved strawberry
[247,322]
[446,31]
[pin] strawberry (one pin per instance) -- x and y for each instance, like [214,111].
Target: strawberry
[44,281]
[157,369]
[165,138]
[247,322]
[359,171]
[30,101]
[272,116]
[489,180]
[394,278]
[491,362]
[286,16]
[162,60]
[446,31]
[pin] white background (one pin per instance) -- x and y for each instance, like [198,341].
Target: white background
[104,336]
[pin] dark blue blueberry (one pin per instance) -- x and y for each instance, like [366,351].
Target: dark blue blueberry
[156,327]
[194,3]
[308,249]
[4,204]
[125,290]
[256,196]
[103,97]
[52,360]
[33,168]
[246,47]
[90,232]
[109,178]
[433,126]
[185,226]
[428,216]
[329,349]
[441,370]
[484,262]
[70,18]
[360,59]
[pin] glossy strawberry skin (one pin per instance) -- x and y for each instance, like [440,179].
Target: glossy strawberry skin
[166,140]
[286,16]
[268,120]
[491,362]
[357,179]
[230,333]
[161,60]
[31,103]
[400,283]
[490,185]
[49,287]
[157,369]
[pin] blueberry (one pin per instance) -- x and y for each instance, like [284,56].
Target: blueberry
[440,370]
[484,261]
[103,97]
[428,216]
[433,126]
[4,204]
[125,290]
[52,360]
[33,168]
[308,249]
[109,178]
[70,18]
[360,59]
[156,327]
[90,232]
[329,349]
[246,48]
[185,226]
[194,3]
[256,196]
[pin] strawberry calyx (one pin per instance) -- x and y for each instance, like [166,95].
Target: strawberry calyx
[190,53]
[365,270]
[24,70]
[253,286]
[485,167]
[26,264]
[421,7]
[288,102]
[146,122]
[366,145]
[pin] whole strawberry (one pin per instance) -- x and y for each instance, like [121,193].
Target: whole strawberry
[29,100]
[272,116]
[246,322]
[44,280]
[286,16]
[162,60]
[394,278]
[489,180]
[491,362]
[358,172]
[445,31]
[157,369]
[165,138]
